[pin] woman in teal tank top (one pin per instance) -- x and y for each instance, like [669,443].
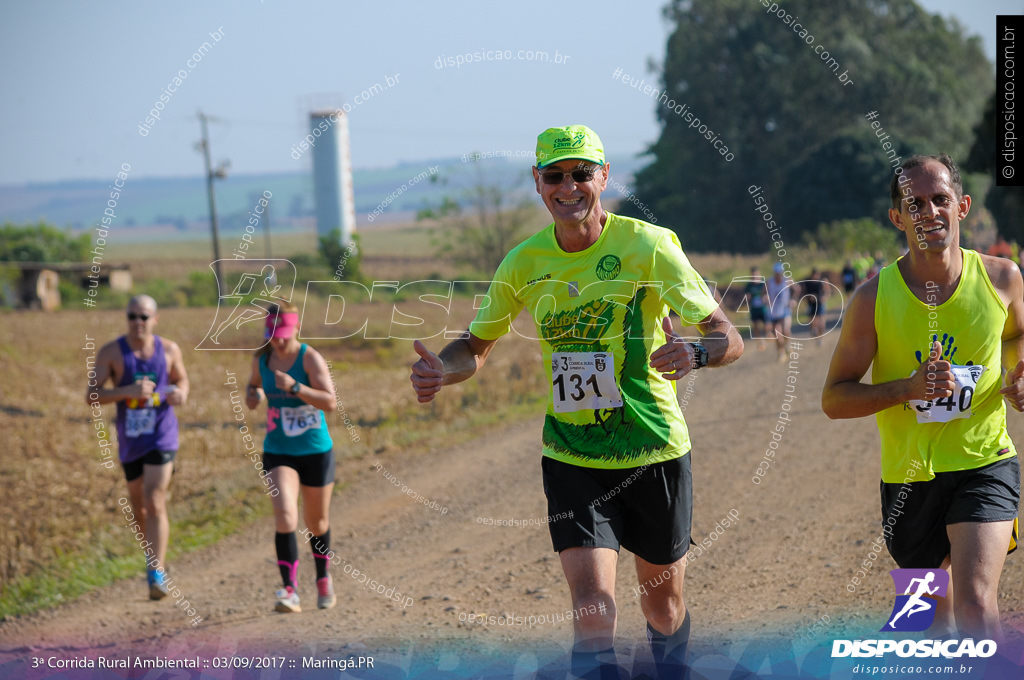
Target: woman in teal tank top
[297,450]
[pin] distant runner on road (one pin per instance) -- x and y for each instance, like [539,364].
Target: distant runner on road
[815,290]
[298,450]
[756,296]
[149,378]
[780,305]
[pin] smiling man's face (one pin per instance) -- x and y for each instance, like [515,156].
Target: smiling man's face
[931,220]
[571,202]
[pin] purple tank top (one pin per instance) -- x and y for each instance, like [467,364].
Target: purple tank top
[150,425]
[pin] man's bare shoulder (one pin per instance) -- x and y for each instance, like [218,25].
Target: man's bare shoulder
[171,348]
[109,351]
[862,304]
[1004,273]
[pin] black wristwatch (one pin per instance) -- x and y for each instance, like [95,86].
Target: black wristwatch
[700,356]
[294,389]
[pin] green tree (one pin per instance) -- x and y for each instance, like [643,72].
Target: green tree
[482,224]
[1005,203]
[763,90]
[41,242]
[344,261]
[838,239]
[837,181]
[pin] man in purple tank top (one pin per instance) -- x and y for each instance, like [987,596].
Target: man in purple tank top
[149,380]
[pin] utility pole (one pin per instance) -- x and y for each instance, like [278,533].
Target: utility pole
[266,228]
[221,172]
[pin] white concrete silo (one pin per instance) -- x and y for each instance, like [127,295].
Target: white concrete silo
[332,174]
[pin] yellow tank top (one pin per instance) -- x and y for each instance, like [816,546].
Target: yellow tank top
[962,432]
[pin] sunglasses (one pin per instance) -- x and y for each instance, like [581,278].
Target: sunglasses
[579,176]
[132,316]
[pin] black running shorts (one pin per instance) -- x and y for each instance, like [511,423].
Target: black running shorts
[134,469]
[915,525]
[314,470]
[646,510]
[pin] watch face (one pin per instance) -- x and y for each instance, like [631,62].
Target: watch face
[700,355]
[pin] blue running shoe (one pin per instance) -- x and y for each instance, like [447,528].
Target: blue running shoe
[157,584]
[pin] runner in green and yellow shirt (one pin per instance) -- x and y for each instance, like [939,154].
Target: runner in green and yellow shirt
[939,326]
[598,316]
[599,288]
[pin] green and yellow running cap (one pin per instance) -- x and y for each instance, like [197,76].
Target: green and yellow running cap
[573,141]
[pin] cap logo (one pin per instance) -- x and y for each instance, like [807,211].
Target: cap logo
[576,141]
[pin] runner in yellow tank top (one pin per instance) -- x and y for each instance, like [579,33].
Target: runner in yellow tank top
[939,326]
[967,429]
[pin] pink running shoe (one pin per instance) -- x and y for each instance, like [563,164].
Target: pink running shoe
[325,593]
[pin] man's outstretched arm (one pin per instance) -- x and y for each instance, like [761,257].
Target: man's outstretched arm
[458,361]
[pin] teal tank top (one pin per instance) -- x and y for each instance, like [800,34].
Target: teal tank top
[294,428]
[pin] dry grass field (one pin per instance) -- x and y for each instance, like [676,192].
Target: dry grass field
[65,497]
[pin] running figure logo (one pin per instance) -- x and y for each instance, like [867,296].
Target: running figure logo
[913,611]
[240,313]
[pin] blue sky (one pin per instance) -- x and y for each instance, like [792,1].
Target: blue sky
[78,78]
